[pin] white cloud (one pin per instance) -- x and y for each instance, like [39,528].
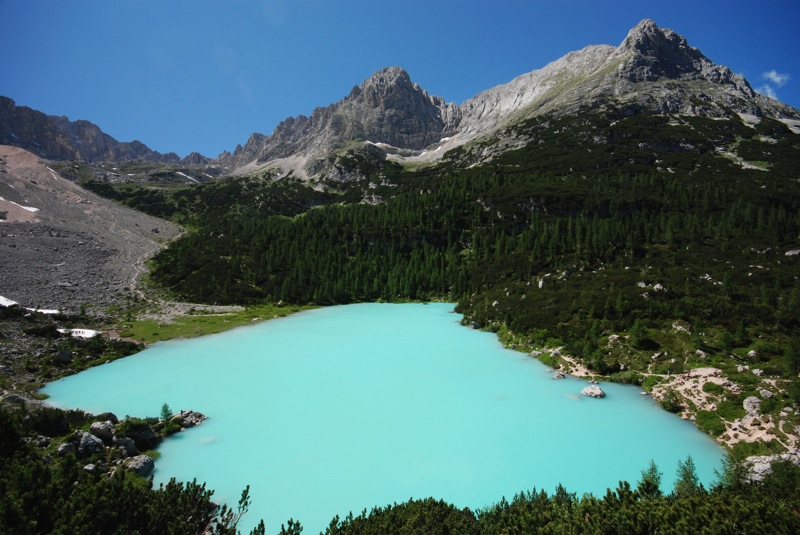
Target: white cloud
[767,90]
[776,78]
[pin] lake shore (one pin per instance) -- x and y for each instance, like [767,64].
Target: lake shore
[691,387]
[165,320]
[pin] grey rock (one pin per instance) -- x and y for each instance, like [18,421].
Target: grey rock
[63,357]
[146,439]
[188,419]
[593,391]
[88,443]
[103,430]
[66,448]
[110,416]
[127,445]
[760,466]
[141,464]
[752,405]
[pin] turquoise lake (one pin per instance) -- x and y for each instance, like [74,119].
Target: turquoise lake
[343,408]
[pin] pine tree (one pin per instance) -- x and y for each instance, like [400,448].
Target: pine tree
[650,484]
[687,483]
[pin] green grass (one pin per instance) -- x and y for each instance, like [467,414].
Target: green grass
[193,325]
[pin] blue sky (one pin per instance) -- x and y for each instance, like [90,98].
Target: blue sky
[202,75]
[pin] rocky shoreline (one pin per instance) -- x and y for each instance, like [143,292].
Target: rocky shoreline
[691,387]
[111,444]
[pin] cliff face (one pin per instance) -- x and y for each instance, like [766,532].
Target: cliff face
[58,138]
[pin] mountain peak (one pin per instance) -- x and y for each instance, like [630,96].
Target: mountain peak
[660,52]
[389,75]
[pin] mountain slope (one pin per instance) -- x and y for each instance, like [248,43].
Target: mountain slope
[62,246]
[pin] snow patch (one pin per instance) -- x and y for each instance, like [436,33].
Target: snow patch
[4,302]
[52,173]
[28,208]
[80,333]
[793,124]
[189,177]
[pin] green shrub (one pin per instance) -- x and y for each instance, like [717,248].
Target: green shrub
[730,410]
[650,382]
[710,422]
[713,388]
[671,402]
[171,427]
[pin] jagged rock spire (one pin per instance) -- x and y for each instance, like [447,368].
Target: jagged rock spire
[658,52]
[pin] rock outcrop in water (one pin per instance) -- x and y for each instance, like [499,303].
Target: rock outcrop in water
[593,391]
[188,419]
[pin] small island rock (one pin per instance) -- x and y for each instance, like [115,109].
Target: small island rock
[189,418]
[593,391]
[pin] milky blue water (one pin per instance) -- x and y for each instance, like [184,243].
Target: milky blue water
[339,409]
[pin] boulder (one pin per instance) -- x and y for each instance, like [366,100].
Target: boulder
[752,405]
[145,438]
[559,375]
[66,448]
[126,444]
[760,466]
[63,357]
[142,465]
[88,443]
[593,391]
[103,430]
[110,416]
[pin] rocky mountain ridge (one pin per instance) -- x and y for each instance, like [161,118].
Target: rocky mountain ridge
[652,71]
[58,138]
